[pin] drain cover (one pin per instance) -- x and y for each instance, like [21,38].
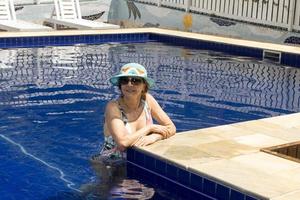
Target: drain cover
[290,151]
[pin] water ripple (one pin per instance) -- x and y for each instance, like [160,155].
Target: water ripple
[70,184]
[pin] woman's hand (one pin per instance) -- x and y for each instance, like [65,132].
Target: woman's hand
[159,129]
[147,140]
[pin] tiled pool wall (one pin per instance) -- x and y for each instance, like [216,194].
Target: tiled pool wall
[190,185]
[289,59]
[41,41]
[183,183]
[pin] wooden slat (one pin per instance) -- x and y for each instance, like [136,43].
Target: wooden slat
[285,15]
[255,9]
[292,151]
[283,151]
[222,6]
[245,8]
[260,10]
[227,5]
[270,10]
[202,4]
[297,16]
[205,4]
[236,8]
[249,10]
[213,3]
[298,152]
[275,10]
[280,11]
[265,10]
[209,5]
[240,8]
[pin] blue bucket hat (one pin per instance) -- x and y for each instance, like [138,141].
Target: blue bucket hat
[132,70]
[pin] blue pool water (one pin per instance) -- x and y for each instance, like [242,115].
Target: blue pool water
[52,101]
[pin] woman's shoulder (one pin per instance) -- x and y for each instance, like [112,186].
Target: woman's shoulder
[112,106]
[114,102]
[150,99]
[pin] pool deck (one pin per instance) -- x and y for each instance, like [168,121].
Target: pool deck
[240,42]
[231,153]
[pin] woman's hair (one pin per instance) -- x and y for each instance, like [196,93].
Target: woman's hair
[144,91]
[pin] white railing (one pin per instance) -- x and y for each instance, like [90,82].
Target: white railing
[278,13]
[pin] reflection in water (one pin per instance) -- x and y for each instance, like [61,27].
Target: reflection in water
[52,102]
[113,183]
[124,189]
[228,81]
[131,189]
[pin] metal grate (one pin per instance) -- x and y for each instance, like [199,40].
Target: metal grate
[274,56]
[290,151]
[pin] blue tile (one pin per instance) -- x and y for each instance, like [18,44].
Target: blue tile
[292,59]
[130,154]
[283,58]
[286,59]
[171,172]
[200,196]
[183,177]
[250,198]
[139,172]
[51,40]
[150,163]
[160,167]
[222,192]
[196,182]
[130,170]
[25,41]
[209,187]
[123,37]
[139,158]
[163,183]
[184,192]
[235,195]
[148,176]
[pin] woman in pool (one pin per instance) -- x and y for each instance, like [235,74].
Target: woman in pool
[128,120]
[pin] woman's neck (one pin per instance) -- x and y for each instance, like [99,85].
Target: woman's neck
[131,103]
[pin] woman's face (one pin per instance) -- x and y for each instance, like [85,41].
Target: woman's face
[131,86]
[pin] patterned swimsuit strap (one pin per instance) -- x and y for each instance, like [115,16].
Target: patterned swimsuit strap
[145,108]
[123,115]
[147,112]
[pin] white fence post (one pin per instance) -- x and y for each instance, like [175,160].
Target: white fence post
[159,3]
[292,15]
[187,5]
[280,13]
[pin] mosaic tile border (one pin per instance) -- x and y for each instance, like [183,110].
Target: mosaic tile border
[207,45]
[289,59]
[187,184]
[41,41]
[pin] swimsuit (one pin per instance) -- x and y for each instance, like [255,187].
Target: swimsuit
[109,151]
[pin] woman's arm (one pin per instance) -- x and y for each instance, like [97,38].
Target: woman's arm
[161,117]
[148,139]
[117,129]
